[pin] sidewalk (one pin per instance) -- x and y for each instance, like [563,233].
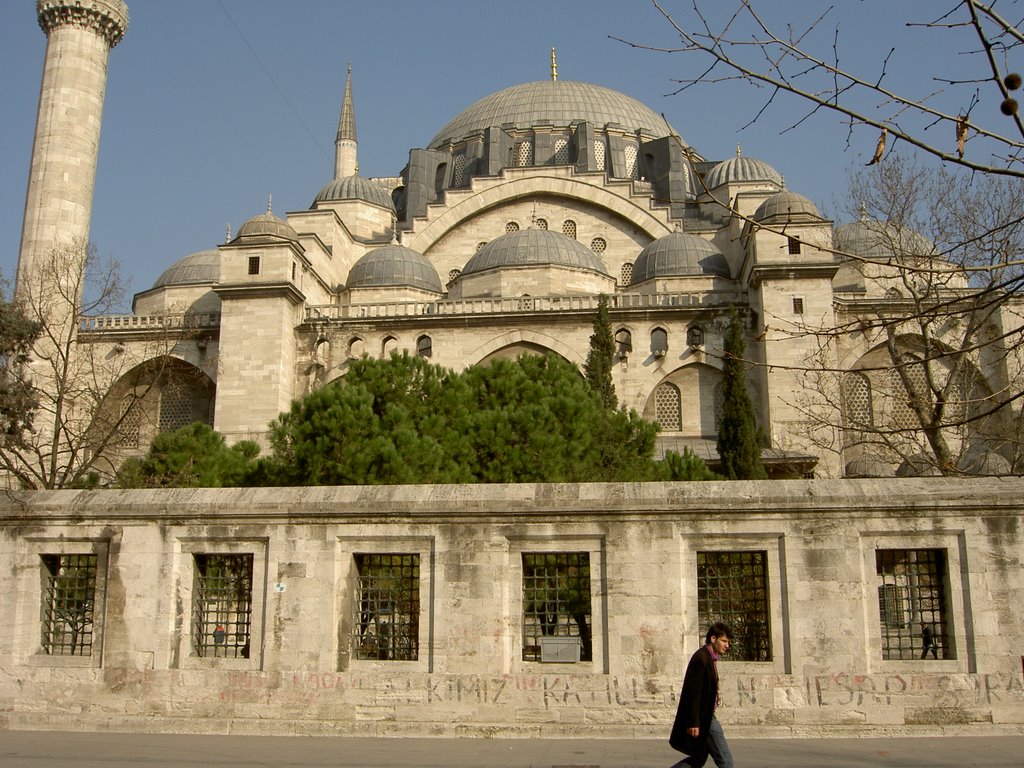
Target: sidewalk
[38,749]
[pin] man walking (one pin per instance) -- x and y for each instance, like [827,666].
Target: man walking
[696,731]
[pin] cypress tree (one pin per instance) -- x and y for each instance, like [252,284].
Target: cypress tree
[598,367]
[738,444]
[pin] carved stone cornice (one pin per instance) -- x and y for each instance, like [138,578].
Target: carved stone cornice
[108,18]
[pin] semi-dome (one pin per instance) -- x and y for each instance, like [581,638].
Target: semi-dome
[557,103]
[533,248]
[267,225]
[195,269]
[394,265]
[679,254]
[787,207]
[742,170]
[355,188]
[881,240]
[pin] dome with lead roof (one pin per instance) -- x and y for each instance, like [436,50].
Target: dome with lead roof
[394,265]
[742,170]
[787,207]
[533,248]
[553,103]
[197,268]
[881,240]
[355,188]
[679,254]
[267,225]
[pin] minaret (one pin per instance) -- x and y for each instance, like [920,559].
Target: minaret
[58,206]
[345,162]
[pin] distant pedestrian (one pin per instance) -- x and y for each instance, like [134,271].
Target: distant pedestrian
[928,641]
[696,731]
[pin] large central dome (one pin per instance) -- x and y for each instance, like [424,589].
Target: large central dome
[557,103]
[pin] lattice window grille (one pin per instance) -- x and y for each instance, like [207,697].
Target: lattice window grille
[569,228]
[222,605]
[542,223]
[480,245]
[511,227]
[632,167]
[598,245]
[175,407]
[459,171]
[857,400]
[130,429]
[719,403]
[903,415]
[562,152]
[454,274]
[626,274]
[524,154]
[733,587]
[668,410]
[599,154]
[911,595]
[68,604]
[556,600]
[386,623]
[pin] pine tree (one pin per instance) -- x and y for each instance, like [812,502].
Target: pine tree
[738,444]
[598,367]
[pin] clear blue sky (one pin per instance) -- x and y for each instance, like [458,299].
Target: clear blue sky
[214,104]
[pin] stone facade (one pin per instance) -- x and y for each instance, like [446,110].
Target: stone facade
[833,607]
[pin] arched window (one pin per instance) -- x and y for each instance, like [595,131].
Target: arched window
[903,415]
[175,406]
[599,154]
[389,345]
[598,245]
[857,400]
[480,245]
[454,274]
[562,152]
[439,176]
[511,227]
[569,228]
[631,164]
[459,170]
[623,342]
[524,154]
[424,346]
[542,223]
[668,408]
[627,274]
[659,342]
[719,403]
[356,347]
[695,336]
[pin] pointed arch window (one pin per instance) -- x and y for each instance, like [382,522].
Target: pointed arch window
[857,400]
[626,277]
[424,346]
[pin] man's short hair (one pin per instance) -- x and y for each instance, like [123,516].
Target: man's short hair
[718,629]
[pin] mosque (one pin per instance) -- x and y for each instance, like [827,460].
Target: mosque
[497,239]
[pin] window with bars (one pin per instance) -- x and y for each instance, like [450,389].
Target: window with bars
[175,406]
[912,605]
[668,407]
[794,245]
[222,605]
[569,228]
[542,224]
[254,265]
[511,226]
[386,624]
[459,170]
[556,601]
[130,429]
[857,400]
[798,305]
[733,587]
[68,604]
[626,274]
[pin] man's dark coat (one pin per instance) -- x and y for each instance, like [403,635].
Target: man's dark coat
[696,704]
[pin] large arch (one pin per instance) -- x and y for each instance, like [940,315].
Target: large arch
[697,388]
[493,196]
[530,342]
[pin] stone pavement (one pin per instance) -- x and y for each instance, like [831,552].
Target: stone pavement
[38,749]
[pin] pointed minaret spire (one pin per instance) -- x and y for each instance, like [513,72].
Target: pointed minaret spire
[554,66]
[345,162]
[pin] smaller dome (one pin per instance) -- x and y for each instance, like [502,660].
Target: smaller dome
[533,248]
[869,466]
[195,269]
[394,265]
[787,207]
[881,240]
[918,465]
[679,254]
[267,225]
[355,188]
[982,460]
[739,170]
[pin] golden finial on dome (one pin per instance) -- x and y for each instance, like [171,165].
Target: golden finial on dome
[554,65]
[737,149]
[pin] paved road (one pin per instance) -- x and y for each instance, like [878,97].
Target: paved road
[37,749]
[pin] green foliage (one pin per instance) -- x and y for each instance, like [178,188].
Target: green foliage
[598,367]
[194,456]
[404,420]
[17,397]
[738,443]
[684,466]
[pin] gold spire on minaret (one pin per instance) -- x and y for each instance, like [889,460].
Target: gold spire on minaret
[554,65]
